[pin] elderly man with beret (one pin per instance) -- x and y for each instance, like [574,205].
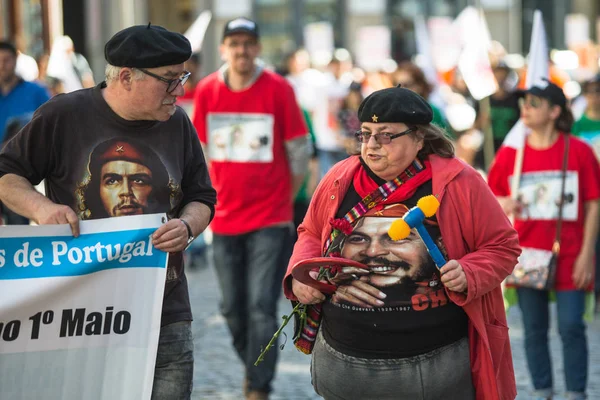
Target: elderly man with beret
[136,103]
[440,334]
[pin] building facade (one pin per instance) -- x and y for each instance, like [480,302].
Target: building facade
[288,24]
[358,25]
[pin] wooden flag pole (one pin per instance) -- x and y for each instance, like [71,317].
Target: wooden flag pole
[488,137]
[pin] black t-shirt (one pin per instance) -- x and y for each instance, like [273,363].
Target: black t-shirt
[417,316]
[75,138]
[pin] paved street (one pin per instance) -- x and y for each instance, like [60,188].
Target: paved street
[218,373]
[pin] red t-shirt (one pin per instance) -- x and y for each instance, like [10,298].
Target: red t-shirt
[539,191]
[244,133]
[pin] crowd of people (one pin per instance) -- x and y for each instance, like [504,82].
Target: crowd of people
[298,162]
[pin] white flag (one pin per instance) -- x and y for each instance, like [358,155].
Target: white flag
[424,49]
[474,62]
[195,33]
[427,64]
[537,69]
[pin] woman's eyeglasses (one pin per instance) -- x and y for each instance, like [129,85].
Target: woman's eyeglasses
[171,83]
[532,102]
[381,138]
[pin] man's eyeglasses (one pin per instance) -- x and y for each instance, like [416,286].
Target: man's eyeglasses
[171,83]
[381,138]
[533,102]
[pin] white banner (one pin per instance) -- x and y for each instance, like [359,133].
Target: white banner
[372,46]
[80,317]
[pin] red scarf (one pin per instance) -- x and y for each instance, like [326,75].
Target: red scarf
[365,185]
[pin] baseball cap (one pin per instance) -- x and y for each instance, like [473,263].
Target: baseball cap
[548,90]
[241,25]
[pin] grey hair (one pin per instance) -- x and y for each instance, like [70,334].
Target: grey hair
[435,141]
[111,73]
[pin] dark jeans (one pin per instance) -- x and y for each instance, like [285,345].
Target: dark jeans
[250,269]
[570,307]
[174,371]
[444,373]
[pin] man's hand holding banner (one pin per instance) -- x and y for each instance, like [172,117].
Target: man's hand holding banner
[80,317]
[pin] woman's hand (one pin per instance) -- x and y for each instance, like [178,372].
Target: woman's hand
[583,270]
[359,293]
[453,277]
[306,294]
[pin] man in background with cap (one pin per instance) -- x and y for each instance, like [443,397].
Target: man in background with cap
[257,143]
[144,78]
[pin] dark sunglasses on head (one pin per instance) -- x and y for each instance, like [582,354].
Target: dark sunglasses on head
[381,138]
[171,83]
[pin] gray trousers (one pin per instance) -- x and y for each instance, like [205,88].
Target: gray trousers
[444,373]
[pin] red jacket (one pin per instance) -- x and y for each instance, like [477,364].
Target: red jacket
[476,233]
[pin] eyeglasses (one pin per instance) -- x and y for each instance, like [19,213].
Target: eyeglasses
[381,138]
[171,83]
[533,102]
[232,44]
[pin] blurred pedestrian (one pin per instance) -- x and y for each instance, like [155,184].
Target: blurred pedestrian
[194,66]
[504,108]
[348,117]
[18,99]
[17,96]
[72,136]
[55,86]
[70,67]
[588,128]
[330,139]
[321,94]
[249,121]
[544,111]
[504,103]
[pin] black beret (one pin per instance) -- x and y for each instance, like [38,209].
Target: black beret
[395,104]
[147,46]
